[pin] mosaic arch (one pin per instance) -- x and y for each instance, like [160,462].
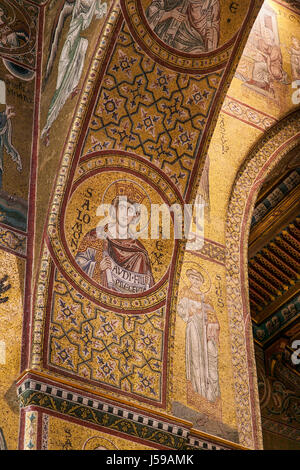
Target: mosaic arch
[267,153]
[142,129]
[143,126]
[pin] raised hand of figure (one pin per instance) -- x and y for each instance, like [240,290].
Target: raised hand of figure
[175,14]
[105,263]
[9,113]
[178,15]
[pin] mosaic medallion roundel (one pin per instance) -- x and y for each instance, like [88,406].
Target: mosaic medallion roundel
[186,35]
[116,236]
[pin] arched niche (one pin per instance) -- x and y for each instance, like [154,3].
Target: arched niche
[262,159]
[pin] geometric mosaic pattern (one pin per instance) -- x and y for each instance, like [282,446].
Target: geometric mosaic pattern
[13,241]
[152,111]
[123,351]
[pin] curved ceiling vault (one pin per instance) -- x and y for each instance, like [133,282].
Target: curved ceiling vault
[164,102]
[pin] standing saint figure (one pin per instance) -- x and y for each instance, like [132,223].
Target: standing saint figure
[186,25]
[110,254]
[73,53]
[202,338]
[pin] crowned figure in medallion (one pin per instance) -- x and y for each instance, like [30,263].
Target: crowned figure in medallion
[191,26]
[111,255]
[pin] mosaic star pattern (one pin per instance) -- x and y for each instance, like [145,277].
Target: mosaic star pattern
[122,351]
[144,108]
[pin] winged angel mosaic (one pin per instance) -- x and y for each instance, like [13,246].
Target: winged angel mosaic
[73,53]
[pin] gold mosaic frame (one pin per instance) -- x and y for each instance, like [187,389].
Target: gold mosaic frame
[62,178]
[266,154]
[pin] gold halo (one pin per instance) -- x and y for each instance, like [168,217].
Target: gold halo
[125,180]
[192,265]
[93,443]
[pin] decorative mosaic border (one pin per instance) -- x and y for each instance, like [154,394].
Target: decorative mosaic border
[30,432]
[251,116]
[56,392]
[262,159]
[37,393]
[13,241]
[196,443]
[286,314]
[40,308]
[212,251]
[45,430]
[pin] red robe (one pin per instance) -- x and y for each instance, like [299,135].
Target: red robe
[129,254]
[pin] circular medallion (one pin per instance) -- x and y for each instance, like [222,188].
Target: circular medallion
[17,30]
[186,35]
[115,236]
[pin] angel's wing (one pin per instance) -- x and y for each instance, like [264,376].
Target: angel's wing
[63,14]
